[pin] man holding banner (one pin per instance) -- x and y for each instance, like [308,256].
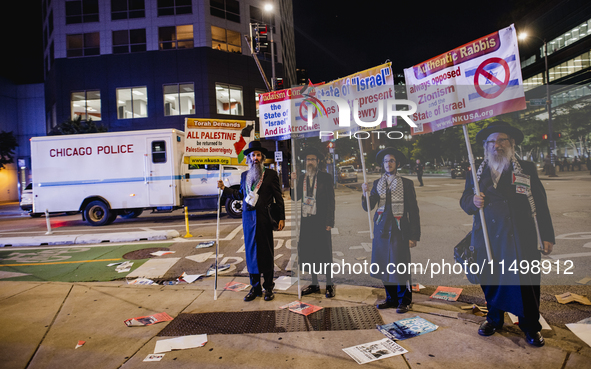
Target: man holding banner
[397,228]
[318,208]
[259,187]
[515,206]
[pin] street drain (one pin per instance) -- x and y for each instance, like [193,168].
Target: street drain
[143,253]
[274,321]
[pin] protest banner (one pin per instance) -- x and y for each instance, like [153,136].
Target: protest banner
[217,141]
[221,142]
[475,81]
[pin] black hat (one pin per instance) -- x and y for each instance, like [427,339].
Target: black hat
[256,146]
[311,151]
[502,127]
[400,158]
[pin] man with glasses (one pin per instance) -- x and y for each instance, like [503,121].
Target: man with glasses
[397,228]
[316,190]
[512,197]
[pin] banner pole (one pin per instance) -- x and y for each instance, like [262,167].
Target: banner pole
[366,192]
[294,208]
[477,191]
[217,236]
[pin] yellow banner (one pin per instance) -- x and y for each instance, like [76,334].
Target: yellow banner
[195,160]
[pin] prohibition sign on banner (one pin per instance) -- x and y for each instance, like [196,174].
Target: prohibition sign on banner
[481,72]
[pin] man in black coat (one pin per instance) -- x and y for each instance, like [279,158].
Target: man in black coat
[318,208]
[259,187]
[511,193]
[397,228]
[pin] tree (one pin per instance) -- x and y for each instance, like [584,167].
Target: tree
[76,126]
[7,145]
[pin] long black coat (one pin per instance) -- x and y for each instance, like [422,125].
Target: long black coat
[256,225]
[393,249]
[315,244]
[512,235]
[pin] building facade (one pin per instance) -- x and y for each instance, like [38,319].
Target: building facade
[146,64]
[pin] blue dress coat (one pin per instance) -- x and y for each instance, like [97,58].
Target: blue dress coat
[256,224]
[390,245]
[512,235]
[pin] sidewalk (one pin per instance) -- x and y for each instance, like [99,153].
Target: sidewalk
[41,323]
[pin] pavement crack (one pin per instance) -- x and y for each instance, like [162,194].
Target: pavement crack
[565,360]
[50,325]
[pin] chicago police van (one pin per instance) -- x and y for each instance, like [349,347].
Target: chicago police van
[104,175]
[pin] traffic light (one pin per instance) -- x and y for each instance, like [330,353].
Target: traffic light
[544,137]
[279,83]
[260,42]
[331,145]
[558,135]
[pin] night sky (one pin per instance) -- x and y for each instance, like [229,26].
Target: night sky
[338,38]
[333,38]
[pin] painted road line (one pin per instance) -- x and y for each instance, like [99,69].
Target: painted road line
[568,256]
[153,268]
[58,262]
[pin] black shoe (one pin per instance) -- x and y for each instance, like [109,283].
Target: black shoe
[534,339]
[386,305]
[402,308]
[269,295]
[488,329]
[313,288]
[330,291]
[252,295]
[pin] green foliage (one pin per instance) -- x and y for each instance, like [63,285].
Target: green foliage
[76,126]
[7,145]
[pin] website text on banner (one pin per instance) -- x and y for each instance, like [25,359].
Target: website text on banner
[286,114]
[217,141]
[475,81]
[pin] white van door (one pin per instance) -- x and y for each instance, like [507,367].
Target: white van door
[159,171]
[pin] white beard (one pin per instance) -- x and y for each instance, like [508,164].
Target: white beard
[311,170]
[499,162]
[254,174]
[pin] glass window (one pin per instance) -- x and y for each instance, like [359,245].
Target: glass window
[129,41]
[179,99]
[158,151]
[225,9]
[86,104]
[132,102]
[568,37]
[225,40]
[82,11]
[172,7]
[84,44]
[127,9]
[256,99]
[175,37]
[228,99]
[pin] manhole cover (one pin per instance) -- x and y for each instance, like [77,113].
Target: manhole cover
[274,321]
[143,253]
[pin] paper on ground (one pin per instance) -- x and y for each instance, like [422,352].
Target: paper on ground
[567,297]
[160,253]
[153,268]
[375,351]
[154,357]
[284,282]
[190,278]
[583,331]
[141,281]
[180,343]
[545,325]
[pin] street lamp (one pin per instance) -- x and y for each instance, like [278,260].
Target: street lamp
[551,141]
[269,9]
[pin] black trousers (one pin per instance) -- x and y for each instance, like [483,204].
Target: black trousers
[398,294]
[268,284]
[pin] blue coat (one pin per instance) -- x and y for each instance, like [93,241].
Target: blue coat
[512,235]
[256,224]
[391,245]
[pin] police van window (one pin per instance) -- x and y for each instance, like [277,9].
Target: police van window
[158,152]
[196,166]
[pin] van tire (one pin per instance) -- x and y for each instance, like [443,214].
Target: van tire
[131,213]
[97,213]
[234,208]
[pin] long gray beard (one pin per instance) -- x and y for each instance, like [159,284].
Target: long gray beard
[254,174]
[499,162]
[311,170]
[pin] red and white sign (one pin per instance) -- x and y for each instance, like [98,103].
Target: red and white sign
[475,81]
